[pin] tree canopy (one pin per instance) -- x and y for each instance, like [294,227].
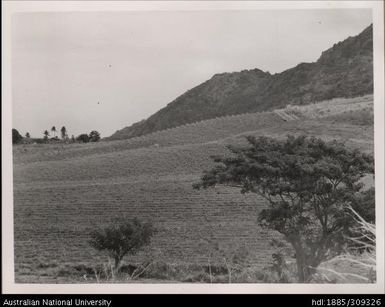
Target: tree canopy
[122,238]
[94,136]
[83,138]
[46,134]
[308,183]
[63,131]
[16,136]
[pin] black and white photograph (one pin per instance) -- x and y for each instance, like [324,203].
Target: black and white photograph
[167,146]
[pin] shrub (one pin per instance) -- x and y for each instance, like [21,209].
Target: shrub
[94,136]
[16,137]
[122,239]
[83,138]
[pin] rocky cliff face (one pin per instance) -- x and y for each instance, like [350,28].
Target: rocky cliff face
[345,70]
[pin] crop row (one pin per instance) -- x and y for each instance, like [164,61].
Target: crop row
[188,159]
[54,223]
[195,133]
[201,132]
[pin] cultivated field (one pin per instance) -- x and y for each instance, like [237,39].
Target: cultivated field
[62,192]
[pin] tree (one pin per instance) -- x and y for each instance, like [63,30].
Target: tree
[46,134]
[122,239]
[83,138]
[364,205]
[16,137]
[27,135]
[308,184]
[63,131]
[53,129]
[94,136]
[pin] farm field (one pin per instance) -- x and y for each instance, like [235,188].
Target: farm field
[214,130]
[62,192]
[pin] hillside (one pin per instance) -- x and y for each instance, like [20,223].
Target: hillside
[344,70]
[61,193]
[207,131]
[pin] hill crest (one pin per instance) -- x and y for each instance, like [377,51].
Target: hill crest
[344,70]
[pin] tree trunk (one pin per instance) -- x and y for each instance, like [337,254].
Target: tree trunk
[304,264]
[304,272]
[117,263]
[300,269]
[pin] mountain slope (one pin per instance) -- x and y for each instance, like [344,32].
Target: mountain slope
[345,70]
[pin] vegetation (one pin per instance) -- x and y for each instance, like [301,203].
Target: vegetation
[307,182]
[16,137]
[84,138]
[94,136]
[63,132]
[46,134]
[53,129]
[122,239]
[363,204]
[362,255]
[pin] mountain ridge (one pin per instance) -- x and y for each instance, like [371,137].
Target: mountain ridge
[344,70]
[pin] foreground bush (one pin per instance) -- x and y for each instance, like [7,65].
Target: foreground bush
[122,239]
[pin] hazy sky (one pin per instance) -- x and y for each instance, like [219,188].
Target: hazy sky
[105,71]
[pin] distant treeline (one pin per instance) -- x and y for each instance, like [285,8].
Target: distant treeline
[17,138]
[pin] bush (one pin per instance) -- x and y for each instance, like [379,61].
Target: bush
[122,239]
[83,138]
[94,136]
[16,137]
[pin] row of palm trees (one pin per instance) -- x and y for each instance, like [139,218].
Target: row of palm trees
[63,132]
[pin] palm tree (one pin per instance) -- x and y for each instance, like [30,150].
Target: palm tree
[53,129]
[63,131]
[46,134]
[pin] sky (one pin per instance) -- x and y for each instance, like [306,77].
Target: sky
[107,70]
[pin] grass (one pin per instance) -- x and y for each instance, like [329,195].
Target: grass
[357,264]
[157,272]
[62,192]
[333,107]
